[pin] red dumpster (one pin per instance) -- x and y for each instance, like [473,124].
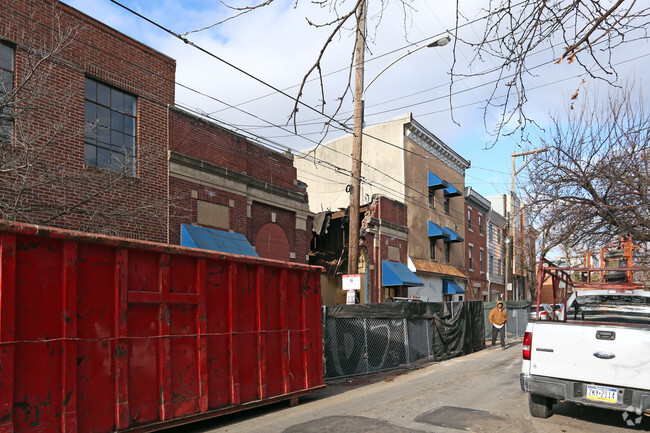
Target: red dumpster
[99,334]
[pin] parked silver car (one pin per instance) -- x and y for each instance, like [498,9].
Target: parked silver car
[546,310]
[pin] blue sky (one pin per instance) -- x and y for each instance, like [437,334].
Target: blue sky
[278,46]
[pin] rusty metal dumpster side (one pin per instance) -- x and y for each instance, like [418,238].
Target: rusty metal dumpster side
[100,334]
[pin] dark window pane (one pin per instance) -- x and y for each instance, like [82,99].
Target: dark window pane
[129,105]
[90,154]
[6,57]
[103,157]
[110,134]
[117,121]
[91,89]
[6,131]
[103,94]
[90,112]
[130,165]
[104,116]
[6,81]
[117,140]
[103,134]
[117,100]
[90,131]
[129,125]
[129,143]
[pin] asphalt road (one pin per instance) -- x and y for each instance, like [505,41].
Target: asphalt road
[476,393]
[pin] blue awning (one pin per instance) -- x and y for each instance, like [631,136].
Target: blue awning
[452,236]
[451,191]
[435,231]
[398,274]
[216,240]
[435,182]
[450,287]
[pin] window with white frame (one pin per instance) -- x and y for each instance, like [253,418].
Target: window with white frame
[480,223]
[6,93]
[490,263]
[110,131]
[480,261]
[469,219]
[447,251]
[470,253]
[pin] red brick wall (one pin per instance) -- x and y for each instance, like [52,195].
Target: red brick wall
[388,211]
[133,207]
[183,206]
[211,143]
[478,241]
[392,211]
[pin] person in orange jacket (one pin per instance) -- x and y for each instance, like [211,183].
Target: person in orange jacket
[498,318]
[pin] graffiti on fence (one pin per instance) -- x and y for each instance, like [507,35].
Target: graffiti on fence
[359,346]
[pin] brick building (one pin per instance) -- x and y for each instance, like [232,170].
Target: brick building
[408,164]
[222,180]
[384,246]
[496,257]
[83,123]
[477,208]
[88,142]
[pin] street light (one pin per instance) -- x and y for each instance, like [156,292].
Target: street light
[359,102]
[440,41]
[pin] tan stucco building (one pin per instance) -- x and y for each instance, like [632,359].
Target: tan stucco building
[405,162]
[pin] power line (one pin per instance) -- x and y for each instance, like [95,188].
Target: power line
[237,68]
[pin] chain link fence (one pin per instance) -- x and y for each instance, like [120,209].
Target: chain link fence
[358,341]
[518,313]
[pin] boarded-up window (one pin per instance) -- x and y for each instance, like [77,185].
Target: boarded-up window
[213,215]
[393,253]
[271,242]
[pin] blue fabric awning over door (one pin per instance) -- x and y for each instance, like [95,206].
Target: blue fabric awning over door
[435,182]
[452,236]
[398,274]
[216,240]
[451,191]
[450,287]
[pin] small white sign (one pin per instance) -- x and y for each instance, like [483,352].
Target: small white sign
[352,282]
[509,286]
[350,299]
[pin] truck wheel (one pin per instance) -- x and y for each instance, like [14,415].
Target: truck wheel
[540,406]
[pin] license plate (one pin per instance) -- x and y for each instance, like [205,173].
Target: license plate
[602,393]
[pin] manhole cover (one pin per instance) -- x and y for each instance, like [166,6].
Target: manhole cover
[472,420]
[346,424]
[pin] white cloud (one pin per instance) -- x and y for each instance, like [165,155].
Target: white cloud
[277,45]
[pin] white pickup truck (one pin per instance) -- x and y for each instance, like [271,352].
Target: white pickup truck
[599,356]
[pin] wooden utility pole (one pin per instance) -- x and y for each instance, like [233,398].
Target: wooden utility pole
[510,241]
[355,187]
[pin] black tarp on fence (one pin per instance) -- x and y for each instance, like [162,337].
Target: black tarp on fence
[367,338]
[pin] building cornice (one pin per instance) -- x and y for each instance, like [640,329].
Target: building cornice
[239,178]
[432,144]
[477,200]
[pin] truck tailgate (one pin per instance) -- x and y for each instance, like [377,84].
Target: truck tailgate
[609,354]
